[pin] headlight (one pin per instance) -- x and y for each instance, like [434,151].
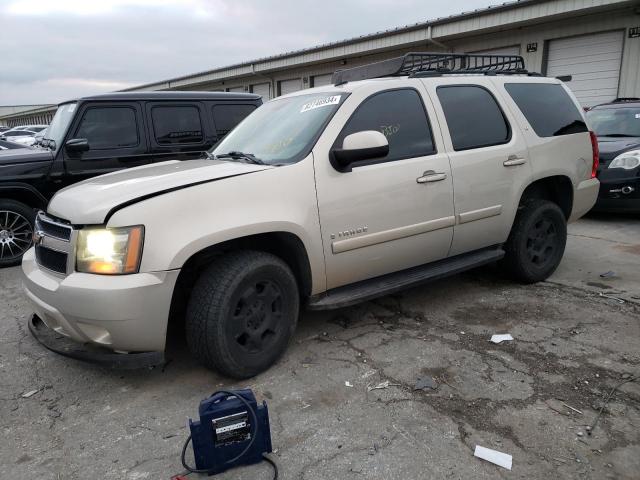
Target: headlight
[109,251]
[626,160]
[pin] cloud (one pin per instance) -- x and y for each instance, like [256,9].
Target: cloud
[55,50]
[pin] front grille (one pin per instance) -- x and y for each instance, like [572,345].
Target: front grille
[52,228]
[51,259]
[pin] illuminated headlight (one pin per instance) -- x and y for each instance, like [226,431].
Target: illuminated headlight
[626,160]
[109,251]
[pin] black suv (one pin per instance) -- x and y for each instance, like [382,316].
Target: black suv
[617,125]
[103,133]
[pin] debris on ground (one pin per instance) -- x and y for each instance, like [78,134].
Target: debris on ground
[382,386]
[503,337]
[606,402]
[617,299]
[425,382]
[347,384]
[30,393]
[571,408]
[498,458]
[608,274]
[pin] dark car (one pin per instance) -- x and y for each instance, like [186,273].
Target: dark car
[617,125]
[7,145]
[104,133]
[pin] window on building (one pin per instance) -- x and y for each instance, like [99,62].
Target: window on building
[474,117]
[109,127]
[400,116]
[226,117]
[548,108]
[177,124]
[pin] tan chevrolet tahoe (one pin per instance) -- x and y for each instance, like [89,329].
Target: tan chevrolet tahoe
[400,172]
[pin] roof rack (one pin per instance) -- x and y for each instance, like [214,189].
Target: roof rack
[417,64]
[626,99]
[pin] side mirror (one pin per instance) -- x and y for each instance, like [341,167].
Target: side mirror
[360,146]
[77,145]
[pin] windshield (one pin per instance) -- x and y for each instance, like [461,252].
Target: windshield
[58,127]
[617,122]
[282,130]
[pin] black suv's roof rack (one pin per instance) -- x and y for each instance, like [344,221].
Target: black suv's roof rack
[418,64]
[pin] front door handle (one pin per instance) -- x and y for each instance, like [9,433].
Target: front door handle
[431,176]
[514,160]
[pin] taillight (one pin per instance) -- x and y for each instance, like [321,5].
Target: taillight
[596,154]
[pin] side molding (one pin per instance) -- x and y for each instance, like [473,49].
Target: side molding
[348,244]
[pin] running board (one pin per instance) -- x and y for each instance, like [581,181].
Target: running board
[394,282]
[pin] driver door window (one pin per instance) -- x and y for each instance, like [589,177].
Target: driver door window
[400,116]
[109,128]
[116,140]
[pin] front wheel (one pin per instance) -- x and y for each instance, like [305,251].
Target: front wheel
[242,313]
[536,242]
[16,231]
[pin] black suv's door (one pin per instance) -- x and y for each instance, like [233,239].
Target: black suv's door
[178,130]
[116,137]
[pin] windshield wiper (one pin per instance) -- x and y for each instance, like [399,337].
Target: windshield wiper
[616,135]
[235,155]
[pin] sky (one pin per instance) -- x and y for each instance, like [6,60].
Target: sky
[54,50]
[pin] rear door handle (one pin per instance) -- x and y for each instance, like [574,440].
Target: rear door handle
[514,160]
[431,176]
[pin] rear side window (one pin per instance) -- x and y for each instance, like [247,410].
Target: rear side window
[177,124]
[400,116]
[474,117]
[225,117]
[548,108]
[109,127]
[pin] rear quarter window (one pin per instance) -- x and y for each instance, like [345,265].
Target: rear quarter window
[548,108]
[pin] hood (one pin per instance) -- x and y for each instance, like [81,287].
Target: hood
[611,147]
[24,155]
[93,201]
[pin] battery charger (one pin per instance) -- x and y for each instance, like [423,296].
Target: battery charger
[233,430]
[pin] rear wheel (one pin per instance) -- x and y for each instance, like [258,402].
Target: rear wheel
[242,313]
[16,231]
[536,242]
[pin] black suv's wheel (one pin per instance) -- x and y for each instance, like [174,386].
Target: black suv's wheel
[16,231]
[242,313]
[536,242]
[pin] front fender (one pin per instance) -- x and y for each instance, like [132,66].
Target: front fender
[183,222]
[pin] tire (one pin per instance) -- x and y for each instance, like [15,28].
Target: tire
[536,242]
[16,231]
[242,313]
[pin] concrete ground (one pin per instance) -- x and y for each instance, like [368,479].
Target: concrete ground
[531,398]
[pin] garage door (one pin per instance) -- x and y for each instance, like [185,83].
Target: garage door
[593,61]
[512,50]
[290,86]
[262,89]
[235,89]
[319,80]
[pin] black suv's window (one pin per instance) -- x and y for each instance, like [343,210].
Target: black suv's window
[225,117]
[548,108]
[474,117]
[177,124]
[109,127]
[400,116]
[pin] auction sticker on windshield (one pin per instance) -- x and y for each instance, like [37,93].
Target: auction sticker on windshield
[320,102]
